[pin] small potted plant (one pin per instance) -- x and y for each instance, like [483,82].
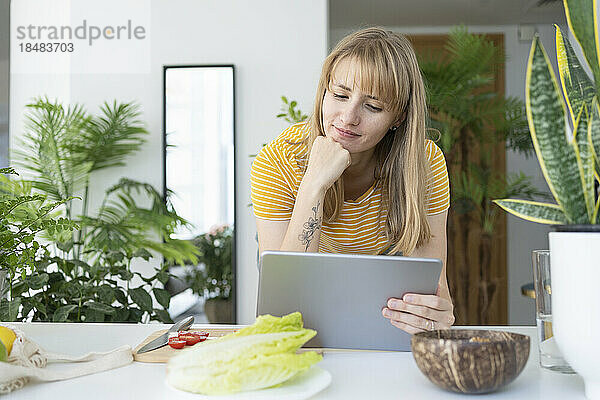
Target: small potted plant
[570,163]
[212,278]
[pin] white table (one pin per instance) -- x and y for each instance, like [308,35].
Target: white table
[372,375]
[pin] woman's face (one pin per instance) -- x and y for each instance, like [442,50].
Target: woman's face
[356,120]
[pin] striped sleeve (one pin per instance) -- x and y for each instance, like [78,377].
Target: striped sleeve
[271,185]
[438,186]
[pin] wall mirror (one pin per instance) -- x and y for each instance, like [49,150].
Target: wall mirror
[199,171]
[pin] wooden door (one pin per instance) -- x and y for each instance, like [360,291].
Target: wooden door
[479,291]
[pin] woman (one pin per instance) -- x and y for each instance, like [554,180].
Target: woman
[360,176]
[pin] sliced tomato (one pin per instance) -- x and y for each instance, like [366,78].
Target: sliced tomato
[189,339]
[203,338]
[201,335]
[176,343]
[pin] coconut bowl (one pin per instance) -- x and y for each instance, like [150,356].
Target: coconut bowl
[468,360]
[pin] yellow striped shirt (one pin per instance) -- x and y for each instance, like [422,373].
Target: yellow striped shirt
[278,170]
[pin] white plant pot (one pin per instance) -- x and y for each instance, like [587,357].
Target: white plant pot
[575,271]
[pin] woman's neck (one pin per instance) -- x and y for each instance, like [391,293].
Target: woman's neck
[359,176]
[362,163]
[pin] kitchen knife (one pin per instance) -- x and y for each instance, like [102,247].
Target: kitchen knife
[163,339]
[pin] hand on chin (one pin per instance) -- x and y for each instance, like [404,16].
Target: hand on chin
[341,140]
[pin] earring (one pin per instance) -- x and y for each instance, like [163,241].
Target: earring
[393,129]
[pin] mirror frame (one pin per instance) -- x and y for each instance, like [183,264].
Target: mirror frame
[164,165]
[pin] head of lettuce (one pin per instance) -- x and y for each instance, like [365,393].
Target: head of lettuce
[256,357]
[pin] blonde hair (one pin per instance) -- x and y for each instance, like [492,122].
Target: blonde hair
[388,69]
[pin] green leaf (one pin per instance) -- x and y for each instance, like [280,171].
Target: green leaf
[38,305]
[163,277]
[121,315]
[27,239]
[115,257]
[577,86]
[74,288]
[143,253]
[162,296]
[101,308]
[543,213]
[121,297]
[92,315]
[55,278]
[65,246]
[106,294]
[98,271]
[26,307]
[546,112]
[581,19]
[594,131]
[19,288]
[65,266]
[141,298]
[49,130]
[62,313]
[106,140]
[147,280]
[135,315]
[126,275]
[9,310]
[36,282]
[585,159]
[163,316]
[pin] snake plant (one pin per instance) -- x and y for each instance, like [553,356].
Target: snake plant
[569,158]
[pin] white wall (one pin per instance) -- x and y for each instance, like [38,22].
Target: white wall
[523,237]
[276,47]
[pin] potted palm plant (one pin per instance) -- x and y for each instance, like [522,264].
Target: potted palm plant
[570,162]
[86,273]
[476,123]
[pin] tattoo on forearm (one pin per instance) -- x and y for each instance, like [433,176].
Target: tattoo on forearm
[310,227]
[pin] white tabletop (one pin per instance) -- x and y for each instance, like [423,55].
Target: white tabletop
[363,375]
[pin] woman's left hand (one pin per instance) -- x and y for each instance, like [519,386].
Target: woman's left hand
[419,312]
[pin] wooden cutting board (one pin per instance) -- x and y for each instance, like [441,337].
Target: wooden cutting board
[163,354]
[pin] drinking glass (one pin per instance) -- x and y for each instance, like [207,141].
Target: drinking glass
[550,355]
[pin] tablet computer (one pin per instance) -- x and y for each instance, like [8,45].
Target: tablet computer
[341,295]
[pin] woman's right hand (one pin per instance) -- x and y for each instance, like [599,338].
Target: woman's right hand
[326,163]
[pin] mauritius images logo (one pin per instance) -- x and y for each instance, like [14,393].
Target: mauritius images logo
[86,32]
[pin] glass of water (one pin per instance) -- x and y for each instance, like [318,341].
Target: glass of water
[550,355]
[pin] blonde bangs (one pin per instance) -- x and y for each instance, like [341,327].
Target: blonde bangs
[377,75]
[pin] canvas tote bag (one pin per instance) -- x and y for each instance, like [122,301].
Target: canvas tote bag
[28,360]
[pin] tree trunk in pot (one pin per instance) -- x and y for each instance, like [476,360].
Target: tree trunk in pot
[575,270]
[219,311]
